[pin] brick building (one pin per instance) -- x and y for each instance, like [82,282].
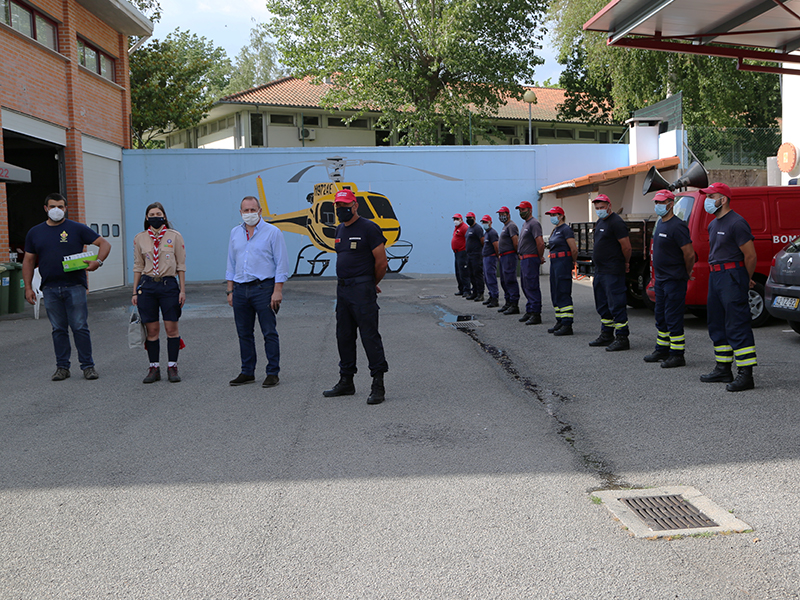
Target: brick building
[65,115]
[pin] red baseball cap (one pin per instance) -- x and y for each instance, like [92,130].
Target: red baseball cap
[504,209]
[458,216]
[718,188]
[663,196]
[556,210]
[525,204]
[486,218]
[601,198]
[345,197]
[471,214]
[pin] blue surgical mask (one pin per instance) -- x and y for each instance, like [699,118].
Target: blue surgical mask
[661,209]
[485,226]
[554,220]
[601,212]
[711,206]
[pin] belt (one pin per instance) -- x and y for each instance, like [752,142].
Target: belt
[256,281]
[504,253]
[345,281]
[523,256]
[726,266]
[560,254]
[157,278]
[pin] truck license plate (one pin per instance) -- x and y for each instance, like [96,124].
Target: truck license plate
[785,302]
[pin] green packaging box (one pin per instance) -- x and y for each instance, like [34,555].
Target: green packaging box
[74,262]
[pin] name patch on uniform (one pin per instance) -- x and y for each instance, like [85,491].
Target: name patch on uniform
[662,235]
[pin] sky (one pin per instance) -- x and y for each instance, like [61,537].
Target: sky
[228,24]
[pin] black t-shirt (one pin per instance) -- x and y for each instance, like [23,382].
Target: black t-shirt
[52,243]
[668,239]
[473,237]
[489,238]
[725,236]
[607,255]
[354,246]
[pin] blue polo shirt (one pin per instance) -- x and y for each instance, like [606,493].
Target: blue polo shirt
[668,239]
[725,238]
[51,243]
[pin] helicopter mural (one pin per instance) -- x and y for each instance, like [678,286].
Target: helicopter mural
[318,222]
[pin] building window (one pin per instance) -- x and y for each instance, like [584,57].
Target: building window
[309,121]
[256,129]
[565,134]
[357,123]
[586,135]
[95,60]
[281,119]
[30,22]
[545,133]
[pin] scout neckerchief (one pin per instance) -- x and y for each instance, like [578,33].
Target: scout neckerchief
[156,243]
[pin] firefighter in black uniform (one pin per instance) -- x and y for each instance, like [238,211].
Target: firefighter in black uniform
[360,265]
[732,258]
[474,241]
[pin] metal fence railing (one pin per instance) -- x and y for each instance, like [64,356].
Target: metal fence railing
[733,147]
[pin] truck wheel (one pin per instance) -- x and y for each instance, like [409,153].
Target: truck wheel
[634,282]
[758,306]
[795,325]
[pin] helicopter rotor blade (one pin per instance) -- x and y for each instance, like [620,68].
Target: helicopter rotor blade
[439,175]
[302,172]
[240,176]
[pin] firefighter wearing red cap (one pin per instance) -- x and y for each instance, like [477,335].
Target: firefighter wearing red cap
[732,258]
[474,243]
[673,260]
[507,248]
[459,246]
[531,255]
[490,252]
[563,256]
[611,258]
[360,265]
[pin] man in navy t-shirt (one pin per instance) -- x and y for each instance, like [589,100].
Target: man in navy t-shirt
[673,260]
[360,265]
[732,260]
[64,291]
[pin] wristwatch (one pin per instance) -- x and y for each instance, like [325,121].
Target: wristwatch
[99,262]
[228,292]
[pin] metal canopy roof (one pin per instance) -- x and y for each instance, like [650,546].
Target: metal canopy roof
[11,174]
[770,28]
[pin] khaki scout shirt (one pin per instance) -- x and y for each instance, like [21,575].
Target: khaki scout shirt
[171,254]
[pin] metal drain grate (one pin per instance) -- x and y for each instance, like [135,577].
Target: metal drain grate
[664,513]
[472,324]
[431,297]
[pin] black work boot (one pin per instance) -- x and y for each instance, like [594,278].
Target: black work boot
[344,387]
[478,298]
[512,310]
[555,327]
[743,381]
[563,330]
[536,319]
[493,303]
[605,339]
[721,373]
[621,343]
[470,296]
[674,360]
[378,392]
[525,317]
[656,356]
[504,308]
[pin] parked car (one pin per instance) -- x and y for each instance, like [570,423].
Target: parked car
[783,285]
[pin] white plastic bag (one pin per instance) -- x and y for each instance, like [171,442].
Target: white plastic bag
[136,331]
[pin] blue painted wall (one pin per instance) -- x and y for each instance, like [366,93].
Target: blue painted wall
[489,177]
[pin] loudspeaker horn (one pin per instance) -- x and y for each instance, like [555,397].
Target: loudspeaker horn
[696,176]
[654,182]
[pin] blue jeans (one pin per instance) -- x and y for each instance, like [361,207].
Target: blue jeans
[249,301]
[67,309]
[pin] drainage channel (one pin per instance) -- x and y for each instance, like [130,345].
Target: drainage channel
[610,481]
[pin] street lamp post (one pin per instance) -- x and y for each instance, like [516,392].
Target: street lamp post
[529,97]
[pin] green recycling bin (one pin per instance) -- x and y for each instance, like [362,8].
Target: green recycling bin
[5,284]
[16,288]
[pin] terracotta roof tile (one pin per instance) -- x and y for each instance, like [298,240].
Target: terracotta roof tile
[613,174]
[301,93]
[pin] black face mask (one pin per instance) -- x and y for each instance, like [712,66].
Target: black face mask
[524,214]
[156,222]
[470,221]
[344,214]
[503,218]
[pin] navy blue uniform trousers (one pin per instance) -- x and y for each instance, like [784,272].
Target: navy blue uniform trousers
[508,277]
[490,275]
[475,262]
[729,319]
[611,302]
[357,311]
[530,284]
[462,272]
[561,288]
[670,308]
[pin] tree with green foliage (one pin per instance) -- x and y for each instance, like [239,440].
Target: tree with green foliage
[422,65]
[602,79]
[256,63]
[174,84]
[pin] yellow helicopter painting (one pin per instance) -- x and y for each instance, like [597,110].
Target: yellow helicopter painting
[318,222]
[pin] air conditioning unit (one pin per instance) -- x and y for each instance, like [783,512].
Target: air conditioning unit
[515,141]
[304,133]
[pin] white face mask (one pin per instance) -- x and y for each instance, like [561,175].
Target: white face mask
[55,214]
[251,218]
[456,222]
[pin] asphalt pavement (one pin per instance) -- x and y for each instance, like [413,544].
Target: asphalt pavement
[473,480]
